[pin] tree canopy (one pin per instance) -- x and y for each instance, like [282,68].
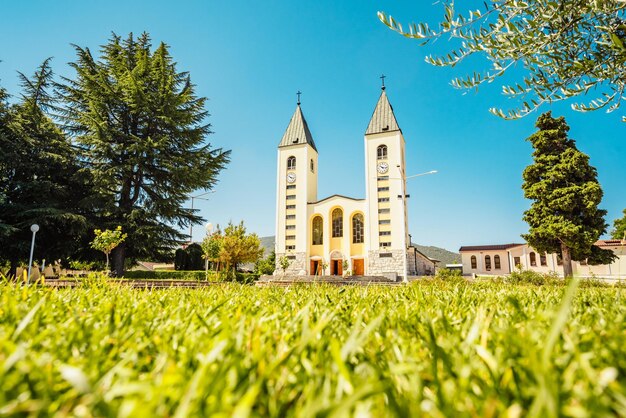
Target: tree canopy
[566,48]
[564,217]
[42,178]
[619,228]
[142,131]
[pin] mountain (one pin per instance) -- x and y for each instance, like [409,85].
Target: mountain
[444,256]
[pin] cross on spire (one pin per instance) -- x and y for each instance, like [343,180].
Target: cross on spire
[382,77]
[298,94]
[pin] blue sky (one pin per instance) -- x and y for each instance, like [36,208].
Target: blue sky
[249,58]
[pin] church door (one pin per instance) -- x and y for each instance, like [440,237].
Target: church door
[358,266]
[316,267]
[335,268]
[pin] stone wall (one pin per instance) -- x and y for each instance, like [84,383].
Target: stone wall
[382,266]
[418,264]
[297,265]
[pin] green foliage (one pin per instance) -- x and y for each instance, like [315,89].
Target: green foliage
[284,263]
[447,274]
[567,49]
[619,228]
[107,240]
[432,348]
[142,130]
[189,258]
[532,277]
[564,217]
[42,179]
[266,265]
[212,246]
[236,247]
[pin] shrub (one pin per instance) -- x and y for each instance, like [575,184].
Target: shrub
[448,274]
[532,277]
[170,275]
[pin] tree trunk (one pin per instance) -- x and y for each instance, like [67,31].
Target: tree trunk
[568,272]
[119,258]
[13,269]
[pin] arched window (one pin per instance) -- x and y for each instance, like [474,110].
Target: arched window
[487,262]
[496,262]
[337,223]
[381,152]
[473,260]
[291,163]
[312,166]
[358,232]
[543,259]
[533,259]
[318,231]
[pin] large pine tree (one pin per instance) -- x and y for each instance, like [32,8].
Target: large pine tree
[143,133]
[41,179]
[564,217]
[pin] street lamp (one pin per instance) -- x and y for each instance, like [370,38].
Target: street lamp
[199,196]
[33,228]
[403,178]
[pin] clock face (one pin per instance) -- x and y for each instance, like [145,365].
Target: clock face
[382,167]
[291,177]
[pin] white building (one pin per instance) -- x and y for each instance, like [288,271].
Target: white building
[503,259]
[368,234]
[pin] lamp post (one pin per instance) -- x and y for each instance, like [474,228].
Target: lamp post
[192,200]
[403,179]
[33,228]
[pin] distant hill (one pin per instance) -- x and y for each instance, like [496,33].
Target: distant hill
[441,254]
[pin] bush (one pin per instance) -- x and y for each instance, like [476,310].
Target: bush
[170,275]
[448,274]
[189,258]
[532,277]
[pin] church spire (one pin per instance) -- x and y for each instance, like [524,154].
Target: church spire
[298,131]
[383,119]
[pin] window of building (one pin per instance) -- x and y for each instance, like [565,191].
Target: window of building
[290,227]
[312,166]
[381,152]
[383,178]
[291,163]
[384,221]
[290,217]
[473,261]
[583,262]
[543,259]
[517,261]
[291,196]
[383,189]
[533,259]
[318,231]
[291,206]
[385,244]
[385,255]
[487,262]
[496,262]
[358,229]
[290,247]
[384,210]
[337,225]
[291,186]
[383,199]
[383,233]
[290,237]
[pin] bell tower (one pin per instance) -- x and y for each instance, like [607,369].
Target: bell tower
[296,184]
[387,226]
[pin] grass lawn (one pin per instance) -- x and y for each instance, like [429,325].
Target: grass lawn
[442,349]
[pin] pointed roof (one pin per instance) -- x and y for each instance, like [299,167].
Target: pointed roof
[298,131]
[383,119]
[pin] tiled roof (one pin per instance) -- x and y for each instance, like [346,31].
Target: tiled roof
[610,242]
[298,131]
[383,119]
[488,247]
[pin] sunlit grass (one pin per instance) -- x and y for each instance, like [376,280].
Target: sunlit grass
[433,348]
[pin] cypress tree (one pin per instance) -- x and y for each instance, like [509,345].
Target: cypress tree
[564,217]
[143,133]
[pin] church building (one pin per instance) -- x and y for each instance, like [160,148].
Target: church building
[327,236]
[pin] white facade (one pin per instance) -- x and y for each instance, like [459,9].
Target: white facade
[481,260]
[366,236]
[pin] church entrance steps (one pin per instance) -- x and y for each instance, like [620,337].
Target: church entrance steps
[333,280]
